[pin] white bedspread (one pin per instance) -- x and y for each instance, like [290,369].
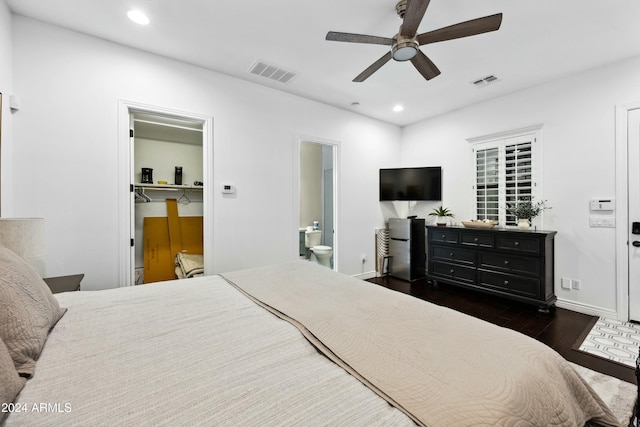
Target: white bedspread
[193,352]
[442,367]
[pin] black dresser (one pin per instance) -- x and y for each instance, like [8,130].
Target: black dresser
[512,263]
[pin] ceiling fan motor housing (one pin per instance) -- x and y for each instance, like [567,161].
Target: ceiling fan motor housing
[401,8]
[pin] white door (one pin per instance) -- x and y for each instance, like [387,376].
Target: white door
[633,141]
[132,212]
[327,207]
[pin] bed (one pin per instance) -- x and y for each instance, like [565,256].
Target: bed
[289,344]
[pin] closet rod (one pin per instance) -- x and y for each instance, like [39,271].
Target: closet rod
[167,125]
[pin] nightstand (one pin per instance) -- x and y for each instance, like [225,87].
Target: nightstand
[64,283]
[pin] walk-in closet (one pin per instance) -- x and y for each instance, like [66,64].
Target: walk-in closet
[167,187]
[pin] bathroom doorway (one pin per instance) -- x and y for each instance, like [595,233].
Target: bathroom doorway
[317,195]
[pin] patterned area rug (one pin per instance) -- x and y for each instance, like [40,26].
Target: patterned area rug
[620,396]
[613,340]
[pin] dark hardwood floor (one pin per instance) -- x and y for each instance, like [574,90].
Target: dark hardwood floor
[559,329]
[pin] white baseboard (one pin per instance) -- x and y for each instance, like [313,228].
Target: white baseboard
[365,275]
[586,309]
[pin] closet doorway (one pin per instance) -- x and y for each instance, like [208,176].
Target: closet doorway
[168,166]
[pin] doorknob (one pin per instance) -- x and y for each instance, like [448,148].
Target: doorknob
[636,243]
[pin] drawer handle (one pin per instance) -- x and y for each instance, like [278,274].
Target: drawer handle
[451,254]
[516,244]
[475,240]
[506,262]
[451,271]
[506,283]
[444,236]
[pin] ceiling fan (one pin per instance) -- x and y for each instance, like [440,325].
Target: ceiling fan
[405,46]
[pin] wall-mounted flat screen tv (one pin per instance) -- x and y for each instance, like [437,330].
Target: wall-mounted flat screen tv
[411,184]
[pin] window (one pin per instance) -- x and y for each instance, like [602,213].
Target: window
[505,172]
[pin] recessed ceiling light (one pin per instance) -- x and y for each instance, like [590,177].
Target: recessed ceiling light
[138,17]
[398,108]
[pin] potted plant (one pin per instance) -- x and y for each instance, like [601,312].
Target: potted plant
[525,210]
[441,213]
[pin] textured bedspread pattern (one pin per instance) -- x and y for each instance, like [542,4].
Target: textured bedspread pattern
[441,367]
[188,352]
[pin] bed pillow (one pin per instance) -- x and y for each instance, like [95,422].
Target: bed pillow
[29,311]
[10,382]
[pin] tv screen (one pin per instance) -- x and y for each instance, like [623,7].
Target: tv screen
[411,184]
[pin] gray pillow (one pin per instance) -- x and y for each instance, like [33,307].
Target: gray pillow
[29,311]
[10,382]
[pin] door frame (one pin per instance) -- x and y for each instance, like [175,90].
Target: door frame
[622,210]
[298,139]
[125,176]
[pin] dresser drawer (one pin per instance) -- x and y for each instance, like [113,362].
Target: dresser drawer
[513,284]
[453,254]
[519,244]
[510,263]
[444,235]
[453,271]
[476,239]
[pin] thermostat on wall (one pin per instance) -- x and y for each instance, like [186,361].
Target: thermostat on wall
[602,205]
[228,189]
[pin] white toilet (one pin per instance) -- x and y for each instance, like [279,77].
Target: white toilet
[319,253]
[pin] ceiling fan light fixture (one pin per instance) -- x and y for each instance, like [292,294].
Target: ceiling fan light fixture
[404,53]
[404,49]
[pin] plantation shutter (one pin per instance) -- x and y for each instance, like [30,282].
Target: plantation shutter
[504,175]
[487,183]
[518,174]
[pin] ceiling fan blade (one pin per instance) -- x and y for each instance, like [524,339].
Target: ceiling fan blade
[413,16]
[424,66]
[373,68]
[463,29]
[358,38]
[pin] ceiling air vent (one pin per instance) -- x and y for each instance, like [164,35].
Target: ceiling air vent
[271,72]
[485,81]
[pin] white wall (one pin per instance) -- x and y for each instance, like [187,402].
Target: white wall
[6,88]
[578,164]
[65,153]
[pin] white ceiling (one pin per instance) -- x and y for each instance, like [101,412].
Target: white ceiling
[539,41]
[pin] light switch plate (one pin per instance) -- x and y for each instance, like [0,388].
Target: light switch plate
[602,221]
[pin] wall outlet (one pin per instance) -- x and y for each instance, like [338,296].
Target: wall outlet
[576,284]
[565,283]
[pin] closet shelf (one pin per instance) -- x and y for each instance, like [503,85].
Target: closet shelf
[170,187]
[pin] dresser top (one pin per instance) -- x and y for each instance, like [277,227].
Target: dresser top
[493,230]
